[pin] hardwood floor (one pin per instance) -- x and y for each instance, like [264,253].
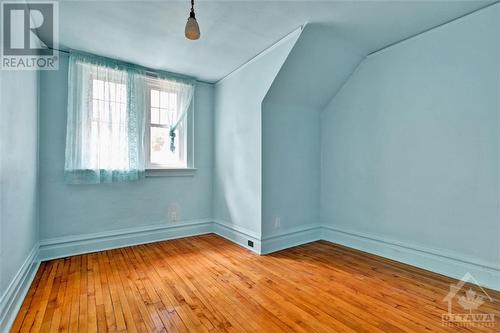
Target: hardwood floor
[208,284]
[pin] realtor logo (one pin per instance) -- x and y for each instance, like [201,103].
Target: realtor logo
[22,25]
[469,302]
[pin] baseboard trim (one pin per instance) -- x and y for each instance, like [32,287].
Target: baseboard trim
[12,299]
[485,273]
[74,245]
[237,235]
[290,238]
[488,275]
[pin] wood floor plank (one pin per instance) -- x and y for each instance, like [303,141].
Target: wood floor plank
[29,299]
[208,284]
[51,305]
[39,302]
[74,317]
[91,296]
[106,295]
[153,300]
[61,294]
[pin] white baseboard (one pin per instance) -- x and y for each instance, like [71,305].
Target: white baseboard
[290,238]
[438,261]
[272,243]
[487,274]
[75,245]
[12,299]
[237,235]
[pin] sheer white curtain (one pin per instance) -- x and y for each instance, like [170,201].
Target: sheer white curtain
[184,91]
[107,112]
[106,120]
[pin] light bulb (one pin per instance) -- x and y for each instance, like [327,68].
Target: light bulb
[192,30]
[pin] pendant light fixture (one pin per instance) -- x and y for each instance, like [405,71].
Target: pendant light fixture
[192,30]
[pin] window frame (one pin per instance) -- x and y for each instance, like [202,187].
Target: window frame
[153,170]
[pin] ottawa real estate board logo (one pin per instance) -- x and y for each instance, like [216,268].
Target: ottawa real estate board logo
[23,26]
[468,307]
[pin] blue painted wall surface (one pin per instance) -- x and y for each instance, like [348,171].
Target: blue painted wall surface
[80,209]
[18,170]
[411,146]
[237,197]
[319,63]
[290,168]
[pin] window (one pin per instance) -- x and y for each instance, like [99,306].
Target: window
[163,113]
[109,127]
[121,122]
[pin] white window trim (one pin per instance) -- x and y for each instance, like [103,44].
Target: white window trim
[165,171]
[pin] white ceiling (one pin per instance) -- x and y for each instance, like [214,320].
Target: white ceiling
[150,33]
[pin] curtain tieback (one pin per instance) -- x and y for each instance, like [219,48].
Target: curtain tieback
[172,139]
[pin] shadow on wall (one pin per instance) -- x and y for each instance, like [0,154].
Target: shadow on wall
[316,68]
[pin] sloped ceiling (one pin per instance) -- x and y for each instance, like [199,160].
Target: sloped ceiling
[150,33]
[318,65]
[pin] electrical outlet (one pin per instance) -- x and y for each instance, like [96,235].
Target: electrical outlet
[173,212]
[277,222]
[173,216]
[250,243]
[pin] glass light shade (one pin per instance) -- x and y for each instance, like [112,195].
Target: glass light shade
[192,30]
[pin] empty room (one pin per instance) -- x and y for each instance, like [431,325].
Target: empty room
[250,166]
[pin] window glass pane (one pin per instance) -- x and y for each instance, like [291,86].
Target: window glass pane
[163,112]
[108,133]
[117,115]
[155,98]
[103,115]
[98,89]
[95,109]
[160,149]
[122,93]
[155,116]
[173,103]
[123,111]
[164,99]
[164,117]
[95,89]
[107,86]
[112,92]
[159,145]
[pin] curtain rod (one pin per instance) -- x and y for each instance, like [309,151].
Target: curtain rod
[150,71]
[59,50]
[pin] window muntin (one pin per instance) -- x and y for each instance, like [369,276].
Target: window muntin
[108,119]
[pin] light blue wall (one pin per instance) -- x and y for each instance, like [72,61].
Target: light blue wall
[237,197]
[80,209]
[319,63]
[290,168]
[18,171]
[410,145]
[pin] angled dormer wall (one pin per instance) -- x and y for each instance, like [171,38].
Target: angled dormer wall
[267,139]
[410,152]
[316,68]
[237,198]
